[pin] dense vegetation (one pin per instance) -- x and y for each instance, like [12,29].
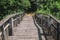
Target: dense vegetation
[40,6]
[10,6]
[49,7]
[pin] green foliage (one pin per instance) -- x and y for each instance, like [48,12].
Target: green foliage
[25,3]
[49,7]
[9,6]
[43,6]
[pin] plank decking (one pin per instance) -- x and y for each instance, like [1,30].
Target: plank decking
[26,30]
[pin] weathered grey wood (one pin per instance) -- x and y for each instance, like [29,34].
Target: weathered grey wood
[51,26]
[8,17]
[0,35]
[7,24]
[55,19]
[26,30]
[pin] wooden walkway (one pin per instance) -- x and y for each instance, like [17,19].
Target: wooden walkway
[26,30]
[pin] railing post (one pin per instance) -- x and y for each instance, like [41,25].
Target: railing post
[19,19]
[58,31]
[12,22]
[42,21]
[16,21]
[5,35]
[3,38]
[11,27]
[2,35]
[49,26]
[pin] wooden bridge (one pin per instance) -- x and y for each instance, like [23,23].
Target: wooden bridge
[23,27]
[26,30]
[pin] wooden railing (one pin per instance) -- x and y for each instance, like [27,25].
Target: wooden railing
[55,27]
[50,25]
[7,24]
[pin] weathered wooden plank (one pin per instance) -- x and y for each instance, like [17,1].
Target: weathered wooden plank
[26,30]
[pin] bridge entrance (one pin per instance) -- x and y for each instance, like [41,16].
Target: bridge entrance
[29,14]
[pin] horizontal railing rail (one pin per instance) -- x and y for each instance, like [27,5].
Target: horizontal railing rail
[49,24]
[55,27]
[7,24]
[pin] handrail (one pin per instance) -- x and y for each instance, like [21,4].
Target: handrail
[8,23]
[6,26]
[0,33]
[54,18]
[49,24]
[8,17]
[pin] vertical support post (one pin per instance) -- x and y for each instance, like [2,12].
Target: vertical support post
[3,37]
[57,31]
[42,21]
[0,35]
[19,20]
[5,33]
[49,26]
[16,22]
[21,17]
[12,22]
[11,27]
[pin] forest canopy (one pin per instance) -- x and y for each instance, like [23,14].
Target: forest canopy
[10,6]
[49,7]
[40,6]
